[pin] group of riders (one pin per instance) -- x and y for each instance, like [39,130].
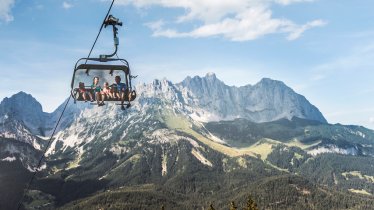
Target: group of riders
[116,92]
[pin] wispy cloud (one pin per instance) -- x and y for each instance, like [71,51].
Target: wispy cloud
[66,5]
[5,10]
[240,20]
[358,60]
[296,31]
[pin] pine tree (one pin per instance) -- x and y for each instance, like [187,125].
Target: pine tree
[251,205]
[233,206]
[211,207]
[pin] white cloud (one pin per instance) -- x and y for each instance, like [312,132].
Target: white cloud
[287,2]
[239,20]
[296,31]
[5,10]
[66,5]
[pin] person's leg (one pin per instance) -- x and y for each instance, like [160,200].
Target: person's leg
[103,98]
[129,97]
[91,97]
[84,96]
[97,96]
[122,97]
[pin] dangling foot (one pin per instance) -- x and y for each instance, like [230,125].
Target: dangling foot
[123,107]
[128,105]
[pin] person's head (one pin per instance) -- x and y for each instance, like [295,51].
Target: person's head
[81,85]
[106,84]
[96,80]
[117,79]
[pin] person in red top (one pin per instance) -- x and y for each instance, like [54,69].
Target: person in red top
[83,92]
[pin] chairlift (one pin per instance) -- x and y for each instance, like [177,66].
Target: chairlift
[112,76]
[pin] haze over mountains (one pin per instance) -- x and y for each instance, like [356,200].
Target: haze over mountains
[183,143]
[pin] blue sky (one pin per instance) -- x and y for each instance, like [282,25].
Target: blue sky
[323,49]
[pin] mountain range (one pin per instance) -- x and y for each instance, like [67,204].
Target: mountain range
[183,146]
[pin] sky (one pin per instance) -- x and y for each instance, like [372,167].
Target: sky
[323,49]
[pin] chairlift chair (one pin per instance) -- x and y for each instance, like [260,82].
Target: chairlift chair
[106,72]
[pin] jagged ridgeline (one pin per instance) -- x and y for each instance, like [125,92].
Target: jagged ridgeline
[186,146]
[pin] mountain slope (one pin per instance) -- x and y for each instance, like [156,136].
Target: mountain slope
[163,149]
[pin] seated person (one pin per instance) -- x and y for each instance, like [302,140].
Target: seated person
[95,87]
[83,92]
[106,92]
[120,89]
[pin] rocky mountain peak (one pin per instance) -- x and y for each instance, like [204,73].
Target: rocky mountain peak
[19,101]
[271,82]
[197,81]
[24,108]
[268,100]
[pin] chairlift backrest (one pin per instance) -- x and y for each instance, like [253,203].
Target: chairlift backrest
[85,72]
[101,65]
